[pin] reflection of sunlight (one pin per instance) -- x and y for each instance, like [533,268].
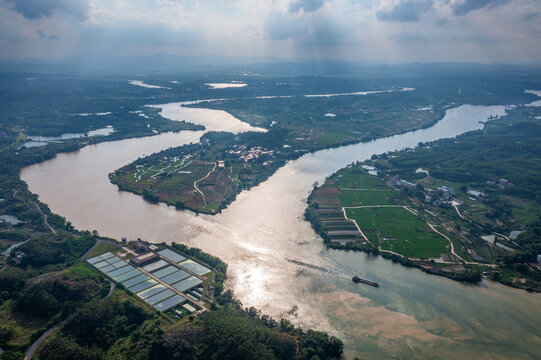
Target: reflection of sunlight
[251,283]
[252,248]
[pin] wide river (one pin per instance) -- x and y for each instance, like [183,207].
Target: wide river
[412,314]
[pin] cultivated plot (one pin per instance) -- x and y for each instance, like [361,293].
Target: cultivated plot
[398,230]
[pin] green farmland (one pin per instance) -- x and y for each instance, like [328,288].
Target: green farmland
[379,212]
[357,197]
[355,177]
[398,230]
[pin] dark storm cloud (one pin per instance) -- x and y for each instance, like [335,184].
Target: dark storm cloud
[465,6]
[405,11]
[306,5]
[37,9]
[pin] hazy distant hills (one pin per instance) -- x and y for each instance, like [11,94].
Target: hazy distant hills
[162,64]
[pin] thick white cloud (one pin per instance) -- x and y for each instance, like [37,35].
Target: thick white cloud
[374,30]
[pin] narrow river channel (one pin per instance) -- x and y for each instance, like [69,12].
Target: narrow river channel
[412,315]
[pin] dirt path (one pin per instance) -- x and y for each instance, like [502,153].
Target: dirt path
[480,227]
[44,218]
[374,206]
[357,226]
[453,249]
[458,212]
[449,240]
[429,224]
[195,184]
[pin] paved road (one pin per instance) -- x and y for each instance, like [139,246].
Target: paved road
[36,343]
[99,241]
[32,349]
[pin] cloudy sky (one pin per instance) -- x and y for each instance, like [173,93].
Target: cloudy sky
[393,31]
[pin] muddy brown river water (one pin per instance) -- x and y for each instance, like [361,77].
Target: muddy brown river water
[412,315]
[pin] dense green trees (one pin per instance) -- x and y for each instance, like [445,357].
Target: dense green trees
[512,152]
[49,296]
[51,249]
[148,195]
[229,335]
[11,281]
[101,323]
[229,332]
[65,348]
[233,333]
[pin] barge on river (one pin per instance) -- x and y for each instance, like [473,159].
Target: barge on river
[357,279]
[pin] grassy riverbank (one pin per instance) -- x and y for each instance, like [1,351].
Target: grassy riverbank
[479,191]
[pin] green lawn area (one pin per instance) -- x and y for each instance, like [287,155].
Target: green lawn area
[331,138]
[179,181]
[131,177]
[372,182]
[400,231]
[210,206]
[527,215]
[101,248]
[356,178]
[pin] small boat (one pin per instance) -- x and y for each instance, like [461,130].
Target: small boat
[357,279]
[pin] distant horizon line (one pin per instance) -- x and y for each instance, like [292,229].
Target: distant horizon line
[251,60]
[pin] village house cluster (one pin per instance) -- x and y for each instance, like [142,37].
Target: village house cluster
[438,196]
[503,183]
[245,154]
[435,197]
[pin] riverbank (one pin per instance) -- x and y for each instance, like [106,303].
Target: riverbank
[172,176]
[354,210]
[493,179]
[256,240]
[436,179]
